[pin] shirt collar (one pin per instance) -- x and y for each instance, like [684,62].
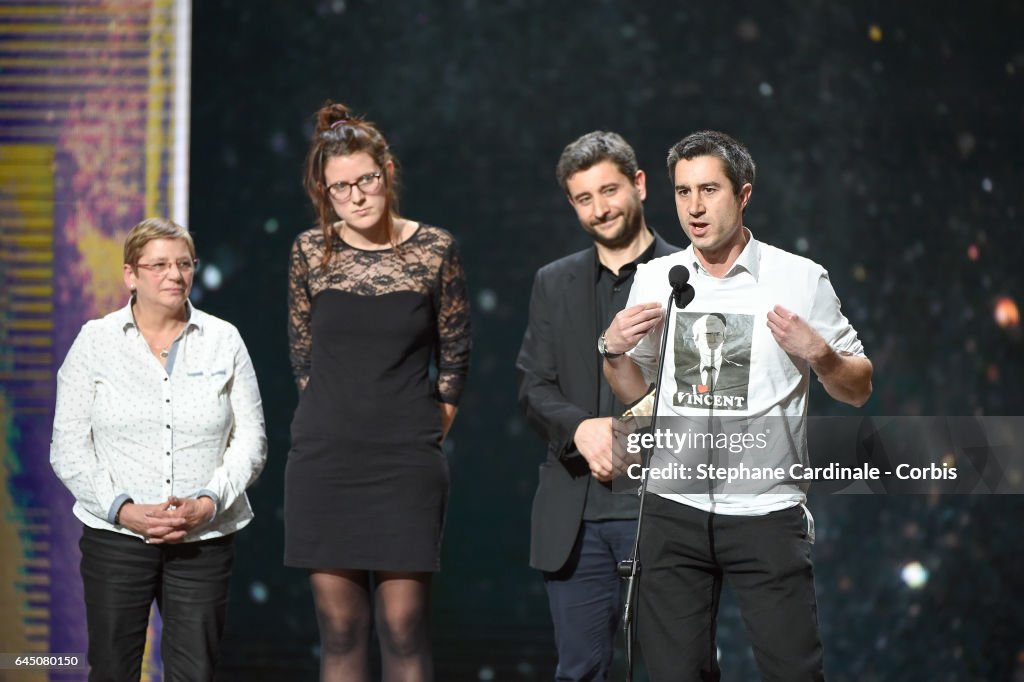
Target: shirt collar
[126,320]
[645,256]
[749,258]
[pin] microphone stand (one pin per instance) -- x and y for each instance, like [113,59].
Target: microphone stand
[629,569]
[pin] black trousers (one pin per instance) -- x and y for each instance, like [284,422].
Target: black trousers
[686,553]
[122,576]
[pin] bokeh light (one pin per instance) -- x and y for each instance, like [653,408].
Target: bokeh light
[914,575]
[1006,313]
[212,278]
[258,592]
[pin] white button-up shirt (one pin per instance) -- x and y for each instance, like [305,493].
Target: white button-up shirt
[767,386]
[126,427]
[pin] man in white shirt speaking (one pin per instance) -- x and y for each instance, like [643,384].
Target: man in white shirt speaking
[784,321]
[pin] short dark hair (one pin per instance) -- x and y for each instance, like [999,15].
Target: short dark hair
[590,150]
[739,165]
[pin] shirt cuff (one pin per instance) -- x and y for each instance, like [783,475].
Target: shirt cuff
[569,449]
[119,502]
[206,492]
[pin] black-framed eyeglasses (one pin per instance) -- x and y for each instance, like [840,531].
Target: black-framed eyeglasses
[370,183]
[160,267]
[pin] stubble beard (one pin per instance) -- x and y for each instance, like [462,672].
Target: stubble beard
[632,223]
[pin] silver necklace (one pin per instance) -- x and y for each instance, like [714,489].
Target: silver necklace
[164,352]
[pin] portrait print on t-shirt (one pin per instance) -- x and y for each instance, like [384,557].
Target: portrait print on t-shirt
[712,360]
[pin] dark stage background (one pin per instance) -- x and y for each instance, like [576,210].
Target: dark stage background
[888,142]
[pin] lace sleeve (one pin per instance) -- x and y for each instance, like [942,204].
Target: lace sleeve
[300,340]
[452,328]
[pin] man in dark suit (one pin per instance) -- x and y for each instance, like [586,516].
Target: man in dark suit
[580,530]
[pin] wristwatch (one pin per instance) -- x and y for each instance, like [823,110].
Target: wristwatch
[602,348]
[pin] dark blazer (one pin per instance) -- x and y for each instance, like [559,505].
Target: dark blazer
[559,369]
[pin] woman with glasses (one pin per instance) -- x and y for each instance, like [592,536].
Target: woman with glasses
[374,301]
[157,433]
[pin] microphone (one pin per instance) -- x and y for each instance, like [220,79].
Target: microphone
[629,569]
[682,293]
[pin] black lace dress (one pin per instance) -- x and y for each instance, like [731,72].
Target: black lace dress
[366,484]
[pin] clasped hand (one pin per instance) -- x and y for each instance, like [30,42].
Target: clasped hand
[601,442]
[166,522]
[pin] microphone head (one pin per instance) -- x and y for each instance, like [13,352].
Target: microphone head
[678,276]
[684,296]
[682,293]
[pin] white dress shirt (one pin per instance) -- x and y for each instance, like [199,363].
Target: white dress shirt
[762,277]
[127,428]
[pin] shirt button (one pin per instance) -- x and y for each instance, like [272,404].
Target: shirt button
[168,453]
[168,426]
[168,480]
[168,400]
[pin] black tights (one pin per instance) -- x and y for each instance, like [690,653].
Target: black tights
[402,602]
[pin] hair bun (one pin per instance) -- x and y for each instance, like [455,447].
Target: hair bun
[332,114]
